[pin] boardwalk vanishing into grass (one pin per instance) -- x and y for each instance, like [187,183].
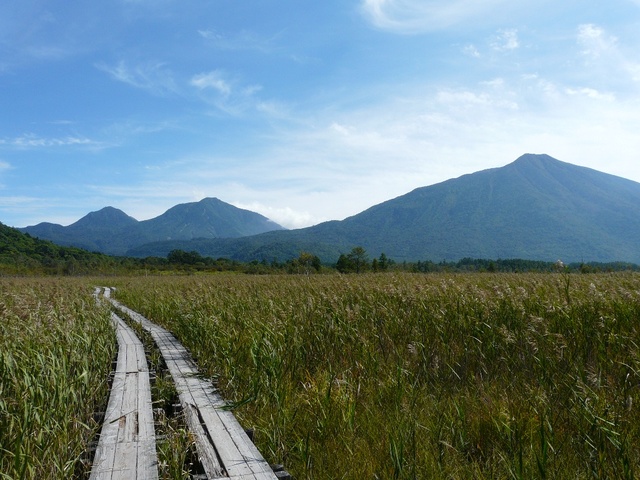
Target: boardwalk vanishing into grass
[126,449]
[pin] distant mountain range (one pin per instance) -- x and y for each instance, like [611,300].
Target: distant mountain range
[536,208]
[112,231]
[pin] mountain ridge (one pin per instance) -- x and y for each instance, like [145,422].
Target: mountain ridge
[536,207]
[110,230]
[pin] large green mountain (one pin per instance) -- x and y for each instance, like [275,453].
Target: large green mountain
[110,230]
[535,208]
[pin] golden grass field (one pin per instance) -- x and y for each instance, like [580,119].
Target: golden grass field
[391,375]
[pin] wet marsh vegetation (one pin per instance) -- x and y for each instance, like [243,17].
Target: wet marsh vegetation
[347,376]
[419,376]
[56,349]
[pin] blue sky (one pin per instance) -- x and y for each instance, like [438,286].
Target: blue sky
[303,111]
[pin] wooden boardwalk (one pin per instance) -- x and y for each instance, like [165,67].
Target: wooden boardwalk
[223,447]
[127,445]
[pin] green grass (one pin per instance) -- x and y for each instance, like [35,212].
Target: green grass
[414,376]
[364,376]
[56,349]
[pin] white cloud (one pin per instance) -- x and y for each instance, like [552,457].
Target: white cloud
[284,216]
[215,79]
[506,40]
[415,16]
[591,93]
[606,57]
[275,110]
[471,51]
[31,140]
[153,77]
[594,40]
[227,93]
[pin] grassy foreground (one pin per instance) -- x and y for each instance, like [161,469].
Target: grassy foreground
[56,349]
[420,376]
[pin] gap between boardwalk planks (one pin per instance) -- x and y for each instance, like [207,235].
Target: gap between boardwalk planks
[223,446]
[127,446]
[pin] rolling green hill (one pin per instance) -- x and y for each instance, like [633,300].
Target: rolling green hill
[20,253]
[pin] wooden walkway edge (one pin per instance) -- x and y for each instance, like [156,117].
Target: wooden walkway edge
[127,445]
[223,446]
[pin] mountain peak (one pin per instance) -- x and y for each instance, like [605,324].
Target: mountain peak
[107,217]
[535,158]
[112,231]
[210,218]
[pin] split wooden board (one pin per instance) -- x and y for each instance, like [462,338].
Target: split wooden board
[127,446]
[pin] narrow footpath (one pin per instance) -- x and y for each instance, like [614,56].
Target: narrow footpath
[126,448]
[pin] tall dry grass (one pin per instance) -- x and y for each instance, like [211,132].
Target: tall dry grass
[414,376]
[56,348]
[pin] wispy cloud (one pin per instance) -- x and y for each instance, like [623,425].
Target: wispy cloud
[471,50]
[156,78]
[415,16]
[31,140]
[604,55]
[216,80]
[226,91]
[506,40]
[243,40]
[594,40]
[28,209]
[591,93]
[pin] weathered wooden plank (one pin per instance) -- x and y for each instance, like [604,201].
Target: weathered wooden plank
[223,445]
[146,427]
[126,461]
[208,456]
[126,448]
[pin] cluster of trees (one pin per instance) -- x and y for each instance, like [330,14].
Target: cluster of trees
[305,263]
[357,261]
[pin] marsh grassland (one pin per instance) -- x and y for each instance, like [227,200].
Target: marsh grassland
[351,376]
[419,376]
[56,348]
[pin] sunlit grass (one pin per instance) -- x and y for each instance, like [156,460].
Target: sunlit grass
[413,376]
[56,349]
[363,376]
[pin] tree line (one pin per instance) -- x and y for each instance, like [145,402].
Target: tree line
[358,261]
[22,254]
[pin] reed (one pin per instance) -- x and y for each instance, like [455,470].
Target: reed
[419,376]
[56,348]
